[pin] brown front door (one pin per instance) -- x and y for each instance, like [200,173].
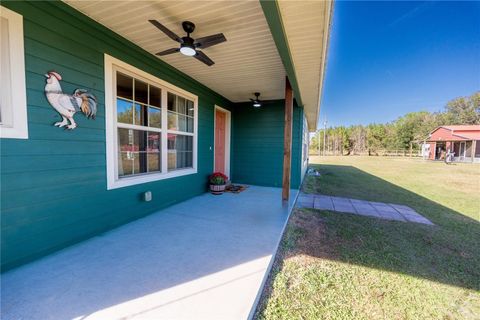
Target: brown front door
[220,127]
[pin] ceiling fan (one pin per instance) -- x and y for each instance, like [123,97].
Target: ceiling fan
[256,102]
[189,46]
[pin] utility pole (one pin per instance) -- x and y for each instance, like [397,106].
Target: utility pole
[324,133]
[318,142]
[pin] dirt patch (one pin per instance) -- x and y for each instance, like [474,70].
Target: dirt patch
[303,242]
[314,241]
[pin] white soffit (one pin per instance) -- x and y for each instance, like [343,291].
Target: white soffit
[246,63]
[307,25]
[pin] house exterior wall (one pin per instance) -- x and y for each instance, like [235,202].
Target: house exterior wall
[53,185]
[258,144]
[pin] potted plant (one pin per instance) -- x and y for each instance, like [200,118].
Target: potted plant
[218,182]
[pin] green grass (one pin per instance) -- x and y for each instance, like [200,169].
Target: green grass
[341,266]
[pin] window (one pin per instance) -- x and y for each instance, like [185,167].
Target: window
[13,102]
[180,132]
[151,127]
[305,145]
[139,120]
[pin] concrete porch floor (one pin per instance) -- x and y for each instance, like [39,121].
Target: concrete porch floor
[205,258]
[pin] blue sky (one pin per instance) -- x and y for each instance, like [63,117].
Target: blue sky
[389,58]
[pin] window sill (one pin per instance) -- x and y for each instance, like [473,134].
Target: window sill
[18,132]
[140,179]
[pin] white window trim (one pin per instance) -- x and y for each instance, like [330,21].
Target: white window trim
[305,135]
[113,181]
[228,124]
[305,154]
[19,123]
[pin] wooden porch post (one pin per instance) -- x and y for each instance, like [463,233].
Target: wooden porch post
[287,143]
[474,145]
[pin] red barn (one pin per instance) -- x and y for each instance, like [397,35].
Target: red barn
[463,140]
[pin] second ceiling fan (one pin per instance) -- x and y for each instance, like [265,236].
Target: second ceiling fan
[188,45]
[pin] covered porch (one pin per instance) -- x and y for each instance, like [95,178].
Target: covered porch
[464,150]
[164,123]
[204,258]
[109,219]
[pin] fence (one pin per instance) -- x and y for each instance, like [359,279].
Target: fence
[381,153]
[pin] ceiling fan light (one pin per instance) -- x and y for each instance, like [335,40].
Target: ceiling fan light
[257,104]
[188,51]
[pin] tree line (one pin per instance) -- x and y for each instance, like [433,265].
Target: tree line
[406,133]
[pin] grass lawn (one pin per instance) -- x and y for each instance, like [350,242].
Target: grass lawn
[343,266]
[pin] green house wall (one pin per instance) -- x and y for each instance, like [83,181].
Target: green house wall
[53,190]
[53,184]
[258,144]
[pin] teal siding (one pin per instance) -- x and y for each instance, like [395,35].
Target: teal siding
[297,141]
[53,185]
[258,144]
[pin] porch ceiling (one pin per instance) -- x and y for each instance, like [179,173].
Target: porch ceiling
[246,63]
[306,25]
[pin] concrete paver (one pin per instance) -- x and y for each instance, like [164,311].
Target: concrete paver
[343,205]
[366,210]
[387,211]
[323,203]
[305,201]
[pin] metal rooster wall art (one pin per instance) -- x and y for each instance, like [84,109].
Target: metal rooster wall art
[68,104]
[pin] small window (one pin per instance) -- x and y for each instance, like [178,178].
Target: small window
[180,113]
[13,102]
[180,130]
[180,151]
[151,127]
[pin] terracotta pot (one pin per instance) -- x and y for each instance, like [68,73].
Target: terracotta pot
[217,188]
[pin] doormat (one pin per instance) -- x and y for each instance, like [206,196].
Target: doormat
[235,188]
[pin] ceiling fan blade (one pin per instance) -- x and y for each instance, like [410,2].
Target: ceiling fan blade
[165,30]
[252,100]
[204,58]
[209,41]
[168,51]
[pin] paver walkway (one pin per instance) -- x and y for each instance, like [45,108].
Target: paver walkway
[388,211]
